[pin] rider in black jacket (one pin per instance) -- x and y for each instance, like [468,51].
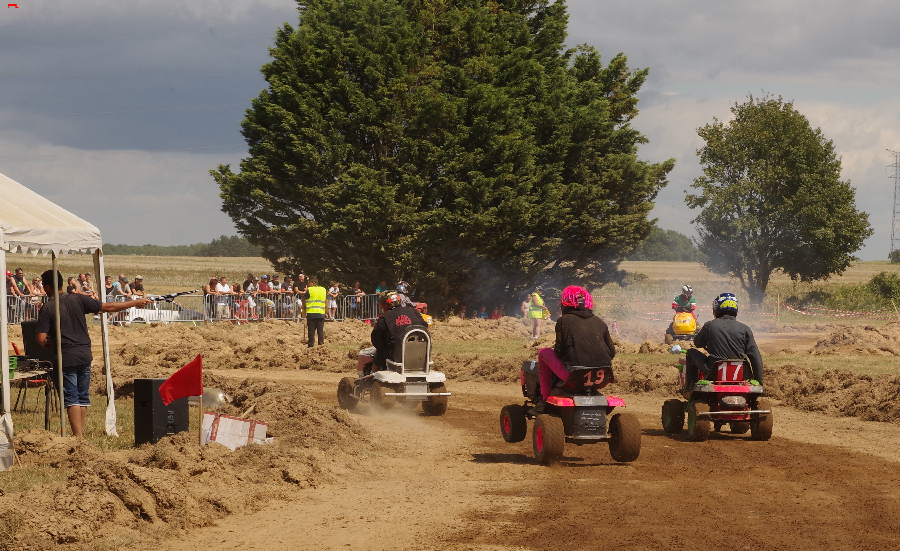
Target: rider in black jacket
[391,326]
[725,338]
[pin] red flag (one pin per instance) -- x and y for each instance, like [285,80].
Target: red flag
[187,381]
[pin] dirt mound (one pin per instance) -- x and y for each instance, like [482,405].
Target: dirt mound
[837,391]
[867,340]
[175,483]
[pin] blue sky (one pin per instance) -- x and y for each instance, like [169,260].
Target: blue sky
[117,110]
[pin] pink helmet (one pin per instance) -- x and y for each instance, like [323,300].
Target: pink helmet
[570,297]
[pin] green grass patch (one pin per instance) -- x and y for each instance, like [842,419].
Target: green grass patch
[504,347]
[24,477]
[95,429]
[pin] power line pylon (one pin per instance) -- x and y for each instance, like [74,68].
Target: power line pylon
[895,219]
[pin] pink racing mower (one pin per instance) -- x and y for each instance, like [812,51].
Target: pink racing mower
[575,413]
[728,398]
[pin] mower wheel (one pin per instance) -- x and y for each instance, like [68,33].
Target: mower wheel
[739,427]
[673,416]
[698,427]
[345,394]
[761,423]
[513,423]
[377,396]
[548,438]
[624,437]
[436,405]
[669,339]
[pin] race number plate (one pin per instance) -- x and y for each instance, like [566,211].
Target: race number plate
[417,388]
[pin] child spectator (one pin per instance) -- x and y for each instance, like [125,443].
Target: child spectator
[356,300]
[333,293]
[287,297]
[482,314]
[495,315]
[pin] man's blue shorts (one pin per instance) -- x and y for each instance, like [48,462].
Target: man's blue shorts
[76,384]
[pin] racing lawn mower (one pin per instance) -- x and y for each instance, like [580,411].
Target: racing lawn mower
[576,413]
[726,398]
[682,328]
[408,379]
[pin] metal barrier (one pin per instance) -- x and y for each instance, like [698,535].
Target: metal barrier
[19,309]
[238,308]
[363,307]
[243,308]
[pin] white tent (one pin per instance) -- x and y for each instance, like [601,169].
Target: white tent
[31,223]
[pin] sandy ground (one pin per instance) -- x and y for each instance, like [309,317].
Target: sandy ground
[453,483]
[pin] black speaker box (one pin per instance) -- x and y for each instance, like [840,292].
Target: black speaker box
[32,348]
[152,419]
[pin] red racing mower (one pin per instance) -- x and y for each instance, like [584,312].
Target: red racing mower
[576,413]
[727,398]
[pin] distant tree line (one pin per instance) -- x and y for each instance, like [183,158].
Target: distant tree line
[667,246]
[223,246]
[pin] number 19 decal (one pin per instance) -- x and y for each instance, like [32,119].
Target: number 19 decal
[598,377]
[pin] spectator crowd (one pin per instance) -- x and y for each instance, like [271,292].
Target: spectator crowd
[257,297]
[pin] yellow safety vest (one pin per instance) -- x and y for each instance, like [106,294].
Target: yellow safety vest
[536,311]
[315,304]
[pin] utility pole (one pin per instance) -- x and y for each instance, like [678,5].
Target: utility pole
[895,219]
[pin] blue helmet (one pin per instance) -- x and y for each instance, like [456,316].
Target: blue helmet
[726,304]
[403,287]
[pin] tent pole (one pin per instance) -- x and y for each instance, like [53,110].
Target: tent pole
[100,275]
[7,451]
[4,347]
[58,339]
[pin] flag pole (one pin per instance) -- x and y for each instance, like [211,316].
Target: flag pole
[200,430]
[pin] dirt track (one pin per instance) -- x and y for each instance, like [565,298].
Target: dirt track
[452,483]
[402,481]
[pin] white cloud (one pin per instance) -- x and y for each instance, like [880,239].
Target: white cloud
[133,197]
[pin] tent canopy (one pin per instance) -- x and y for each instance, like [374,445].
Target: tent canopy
[31,223]
[36,224]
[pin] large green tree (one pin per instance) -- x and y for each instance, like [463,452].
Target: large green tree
[772,198]
[455,144]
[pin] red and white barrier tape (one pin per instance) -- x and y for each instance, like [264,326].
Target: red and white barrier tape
[846,314]
[850,311]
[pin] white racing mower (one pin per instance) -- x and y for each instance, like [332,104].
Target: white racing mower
[408,379]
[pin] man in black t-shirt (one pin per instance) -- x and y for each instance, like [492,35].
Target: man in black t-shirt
[75,342]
